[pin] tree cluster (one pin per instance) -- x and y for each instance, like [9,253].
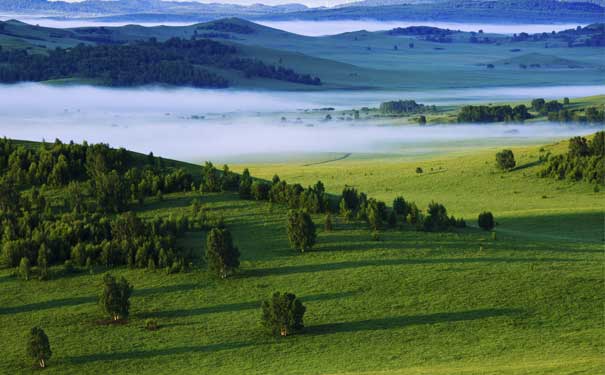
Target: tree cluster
[495,113]
[584,161]
[313,199]
[399,107]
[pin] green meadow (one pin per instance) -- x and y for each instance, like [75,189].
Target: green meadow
[527,300]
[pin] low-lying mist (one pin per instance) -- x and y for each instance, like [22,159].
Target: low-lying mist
[197,125]
[314,28]
[318,28]
[32,99]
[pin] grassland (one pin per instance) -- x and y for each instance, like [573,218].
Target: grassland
[529,302]
[355,60]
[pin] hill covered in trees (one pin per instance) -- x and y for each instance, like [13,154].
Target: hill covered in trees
[174,62]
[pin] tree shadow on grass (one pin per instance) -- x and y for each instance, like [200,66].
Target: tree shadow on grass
[164,289]
[526,165]
[289,270]
[56,303]
[233,307]
[143,354]
[404,321]
[75,301]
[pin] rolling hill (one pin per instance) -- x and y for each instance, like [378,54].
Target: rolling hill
[391,59]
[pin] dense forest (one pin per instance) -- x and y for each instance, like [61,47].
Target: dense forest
[174,62]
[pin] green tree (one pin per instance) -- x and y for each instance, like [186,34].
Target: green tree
[486,220]
[221,255]
[38,346]
[24,268]
[505,160]
[245,185]
[301,230]
[282,314]
[328,224]
[43,262]
[115,298]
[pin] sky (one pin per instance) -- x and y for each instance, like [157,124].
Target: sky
[310,3]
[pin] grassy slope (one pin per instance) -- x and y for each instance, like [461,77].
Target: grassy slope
[361,59]
[414,303]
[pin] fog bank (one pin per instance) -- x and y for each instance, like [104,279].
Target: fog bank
[314,28]
[32,99]
[195,125]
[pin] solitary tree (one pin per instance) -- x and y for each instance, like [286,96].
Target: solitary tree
[505,160]
[486,221]
[24,268]
[222,256]
[328,224]
[301,230]
[43,262]
[282,314]
[38,347]
[115,299]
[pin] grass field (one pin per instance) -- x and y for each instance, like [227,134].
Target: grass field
[529,302]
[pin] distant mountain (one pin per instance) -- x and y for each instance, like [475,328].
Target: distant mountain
[121,7]
[489,11]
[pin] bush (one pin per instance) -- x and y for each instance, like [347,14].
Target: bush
[486,221]
[282,314]
[151,325]
[38,346]
[505,160]
[419,170]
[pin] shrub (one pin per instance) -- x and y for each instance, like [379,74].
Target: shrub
[301,230]
[419,170]
[486,221]
[151,325]
[282,314]
[505,160]
[221,255]
[38,346]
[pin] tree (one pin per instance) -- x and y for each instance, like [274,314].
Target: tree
[245,185]
[282,314]
[301,230]
[221,255]
[486,220]
[400,206]
[578,147]
[24,268]
[374,215]
[38,346]
[115,298]
[328,224]
[43,262]
[436,218]
[505,160]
